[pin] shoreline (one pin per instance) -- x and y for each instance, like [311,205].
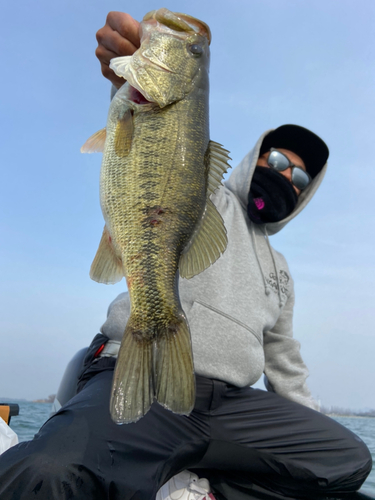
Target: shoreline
[348,416]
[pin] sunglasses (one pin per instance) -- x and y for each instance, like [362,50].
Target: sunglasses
[279,162]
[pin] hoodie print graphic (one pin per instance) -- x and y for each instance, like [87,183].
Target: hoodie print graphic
[283,281]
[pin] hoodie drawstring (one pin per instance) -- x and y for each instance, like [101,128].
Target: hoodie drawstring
[267,289]
[274,265]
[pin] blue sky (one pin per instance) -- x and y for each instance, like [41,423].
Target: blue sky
[273,62]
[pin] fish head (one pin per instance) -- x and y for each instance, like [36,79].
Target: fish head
[173,58]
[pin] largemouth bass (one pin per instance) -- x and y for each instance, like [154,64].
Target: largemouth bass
[159,169]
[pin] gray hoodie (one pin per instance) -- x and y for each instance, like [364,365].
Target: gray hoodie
[240,310]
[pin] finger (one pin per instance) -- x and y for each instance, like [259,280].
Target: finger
[114,42]
[125,25]
[104,55]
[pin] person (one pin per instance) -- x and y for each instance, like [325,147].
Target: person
[249,443]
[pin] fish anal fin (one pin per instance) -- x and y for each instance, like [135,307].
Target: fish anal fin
[95,143]
[106,266]
[217,165]
[208,242]
[124,134]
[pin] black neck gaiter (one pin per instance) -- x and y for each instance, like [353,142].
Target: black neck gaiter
[271,198]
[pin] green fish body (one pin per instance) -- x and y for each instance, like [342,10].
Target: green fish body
[159,169]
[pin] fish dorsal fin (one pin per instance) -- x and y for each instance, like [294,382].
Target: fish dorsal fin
[217,164]
[106,266]
[95,143]
[206,245]
[119,65]
[124,134]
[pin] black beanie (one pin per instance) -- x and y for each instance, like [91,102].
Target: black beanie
[313,151]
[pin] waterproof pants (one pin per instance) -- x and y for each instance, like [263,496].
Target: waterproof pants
[243,440]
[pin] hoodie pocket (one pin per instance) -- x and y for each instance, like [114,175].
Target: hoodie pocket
[230,318]
[224,347]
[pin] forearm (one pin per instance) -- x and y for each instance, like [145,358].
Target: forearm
[285,369]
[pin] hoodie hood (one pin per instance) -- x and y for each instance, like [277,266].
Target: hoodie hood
[240,181]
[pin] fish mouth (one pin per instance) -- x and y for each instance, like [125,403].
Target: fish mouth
[141,96]
[136,93]
[137,97]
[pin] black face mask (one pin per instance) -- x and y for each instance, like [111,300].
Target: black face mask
[271,198]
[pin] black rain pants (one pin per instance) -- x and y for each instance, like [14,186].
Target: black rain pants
[245,441]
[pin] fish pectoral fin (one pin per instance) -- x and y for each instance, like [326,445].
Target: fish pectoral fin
[124,134]
[217,164]
[206,245]
[106,266]
[95,143]
[132,388]
[174,368]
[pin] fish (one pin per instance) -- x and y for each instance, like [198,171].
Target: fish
[158,172]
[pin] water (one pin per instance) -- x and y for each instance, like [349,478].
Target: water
[30,419]
[33,415]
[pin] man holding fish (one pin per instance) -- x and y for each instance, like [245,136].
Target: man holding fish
[231,288]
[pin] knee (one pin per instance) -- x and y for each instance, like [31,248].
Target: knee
[352,465]
[69,479]
[49,477]
[361,461]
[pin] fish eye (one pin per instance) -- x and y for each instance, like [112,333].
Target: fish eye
[196,49]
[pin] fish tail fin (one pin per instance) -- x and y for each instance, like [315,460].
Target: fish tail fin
[174,369]
[132,387]
[154,363]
